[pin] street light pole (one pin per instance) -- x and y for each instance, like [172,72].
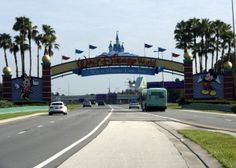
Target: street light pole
[234,65]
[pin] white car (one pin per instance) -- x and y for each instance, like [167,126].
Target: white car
[134,105]
[57,107]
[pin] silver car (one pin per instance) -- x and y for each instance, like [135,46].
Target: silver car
[134,105]
[57,107]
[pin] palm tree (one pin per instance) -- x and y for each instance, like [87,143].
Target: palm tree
[207,34]
[218,26]
[183,36]
[14,49]
[49,40]
[31,30]
[5,43]
[23,47]
[22,25]
[212,49]
[194,28]
[38,40]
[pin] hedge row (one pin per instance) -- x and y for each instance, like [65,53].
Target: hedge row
[5,104]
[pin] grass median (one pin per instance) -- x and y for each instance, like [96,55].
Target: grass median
[221,146]
[13,115]
[72,107]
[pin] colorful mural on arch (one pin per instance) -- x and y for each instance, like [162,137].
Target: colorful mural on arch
[208,85]
[27,88]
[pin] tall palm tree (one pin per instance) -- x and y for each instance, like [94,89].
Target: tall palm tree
[207,34]
[14,49]
[218,26]
[212,49]
[22,25]
[23,47]
[230,41]
[183,36]
[31,30]
[38,41]
[5,43]
[49,39]
[194,28]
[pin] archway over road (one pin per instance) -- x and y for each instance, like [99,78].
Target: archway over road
[117,65]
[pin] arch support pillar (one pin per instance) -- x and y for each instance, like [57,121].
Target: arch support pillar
[188,80]
[228,85]
[6,87]
[46,77]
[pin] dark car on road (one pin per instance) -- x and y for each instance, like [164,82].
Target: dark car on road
[101,103]
[87,103]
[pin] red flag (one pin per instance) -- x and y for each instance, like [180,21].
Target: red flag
[65,57]
[175,55]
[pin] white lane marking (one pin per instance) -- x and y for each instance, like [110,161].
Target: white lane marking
[111,108]
[210,117]
[52,122]
[39,126]
[121,108]
[168,118]
[197,111]
[72,145]
[228,120]
[22,132]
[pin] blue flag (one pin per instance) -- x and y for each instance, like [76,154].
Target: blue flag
[78,51]
[92,47]
[147,45]
[161,49]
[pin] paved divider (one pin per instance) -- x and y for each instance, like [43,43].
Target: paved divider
[23,109]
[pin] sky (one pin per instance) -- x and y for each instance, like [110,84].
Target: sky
[82,22]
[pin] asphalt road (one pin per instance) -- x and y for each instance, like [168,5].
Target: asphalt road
[27,143]
[218,120]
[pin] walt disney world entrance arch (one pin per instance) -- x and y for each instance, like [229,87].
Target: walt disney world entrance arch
[116,65]
[195,86]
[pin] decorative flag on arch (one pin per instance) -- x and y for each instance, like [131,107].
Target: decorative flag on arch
[161,49]
[92,47]
[147,45]
[65,57]
[78,51]
[175,55]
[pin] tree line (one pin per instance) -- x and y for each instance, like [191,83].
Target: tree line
[22,42]
[207,40]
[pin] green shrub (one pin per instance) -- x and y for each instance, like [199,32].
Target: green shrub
[5,104]
[182,101]
[233,108]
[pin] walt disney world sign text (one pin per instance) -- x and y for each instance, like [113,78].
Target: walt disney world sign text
[116,61]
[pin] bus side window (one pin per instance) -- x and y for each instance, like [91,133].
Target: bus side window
[161,95]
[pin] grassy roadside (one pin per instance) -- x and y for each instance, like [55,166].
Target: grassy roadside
[13,115]
[19,114]
[221,146]
[73,106]
[174,106]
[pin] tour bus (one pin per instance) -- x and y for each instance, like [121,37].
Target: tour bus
[154,99]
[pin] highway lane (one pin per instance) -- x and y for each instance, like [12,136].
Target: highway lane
[219,120]
[27,143]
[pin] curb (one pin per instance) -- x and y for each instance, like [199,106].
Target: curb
[201,157]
